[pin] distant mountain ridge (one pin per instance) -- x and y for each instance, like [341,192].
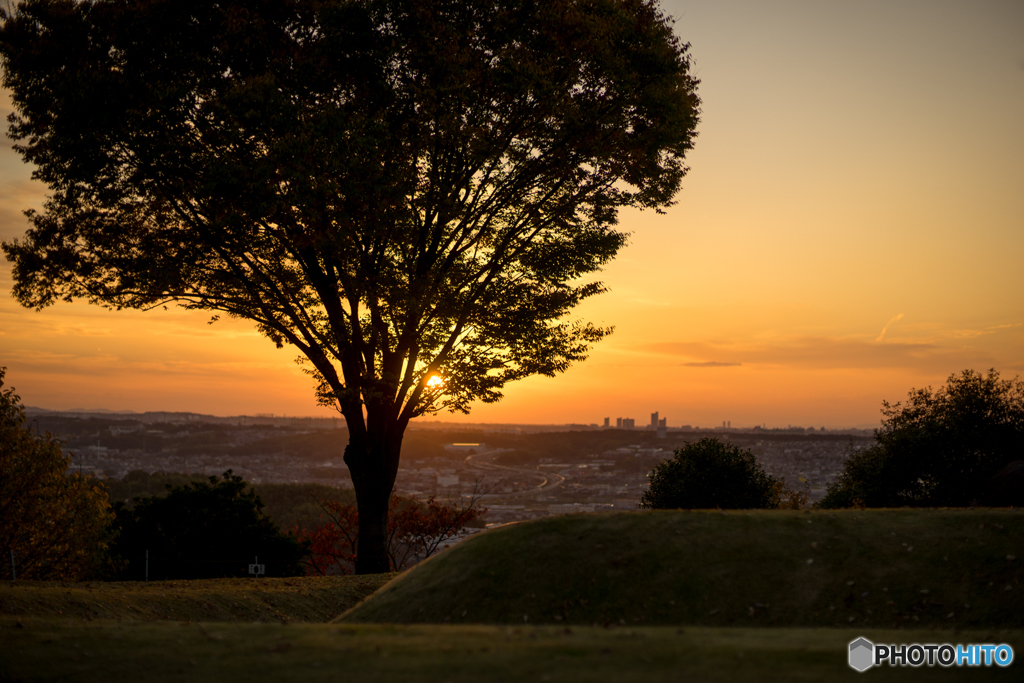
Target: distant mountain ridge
[35,410]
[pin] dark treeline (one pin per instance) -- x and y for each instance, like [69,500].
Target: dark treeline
[288,505]
[204,438]
[531,449]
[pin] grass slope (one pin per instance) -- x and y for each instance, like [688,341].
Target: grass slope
[34,649]
[872,568]
[269,599]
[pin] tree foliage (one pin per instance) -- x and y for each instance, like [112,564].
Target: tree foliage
[200,531]
[142,484]
[411,193]
[416,530]
[53,521]
[939,448]
[298,503]
[711,474]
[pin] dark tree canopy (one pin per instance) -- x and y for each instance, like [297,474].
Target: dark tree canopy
[53,523]
[412,193]
[711,474]
[940,448]
[202,531]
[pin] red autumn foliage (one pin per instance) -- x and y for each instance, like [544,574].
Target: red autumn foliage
[416,530]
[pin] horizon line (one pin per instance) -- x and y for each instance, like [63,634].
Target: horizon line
[106,412]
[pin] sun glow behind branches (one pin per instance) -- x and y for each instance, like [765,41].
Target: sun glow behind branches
[767,294]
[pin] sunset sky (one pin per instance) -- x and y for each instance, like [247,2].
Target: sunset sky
[852,226]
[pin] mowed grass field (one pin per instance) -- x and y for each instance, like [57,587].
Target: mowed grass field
[301,599]
[649,596]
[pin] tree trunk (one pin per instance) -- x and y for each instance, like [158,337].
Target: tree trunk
[372,545]
[372,459]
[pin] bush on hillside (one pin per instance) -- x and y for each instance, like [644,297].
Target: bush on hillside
[287,504]
[52,522]
[953,447]
[297,504]
[710,474]
[416,530]
[201,531]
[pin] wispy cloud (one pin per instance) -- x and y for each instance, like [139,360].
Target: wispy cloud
[833,353]
[711,364]
[104,364]
[889,324]
[994,329]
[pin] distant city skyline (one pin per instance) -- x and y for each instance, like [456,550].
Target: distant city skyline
[850,229]
[657,423]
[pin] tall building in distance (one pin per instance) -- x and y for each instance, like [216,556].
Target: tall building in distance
[658,423]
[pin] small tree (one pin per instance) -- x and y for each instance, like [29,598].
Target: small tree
[201,531]
[416,530]
[711,474]
[54,523]
[940,448]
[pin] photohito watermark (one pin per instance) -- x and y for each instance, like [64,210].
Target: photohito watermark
[864,654]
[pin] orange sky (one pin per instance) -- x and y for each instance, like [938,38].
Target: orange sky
[852,227]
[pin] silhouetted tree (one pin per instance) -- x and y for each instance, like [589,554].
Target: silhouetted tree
[52,522]
[940,448]
[711,474]
[409,192]
[200,531]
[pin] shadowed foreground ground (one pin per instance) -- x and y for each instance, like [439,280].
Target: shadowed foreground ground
[123,652]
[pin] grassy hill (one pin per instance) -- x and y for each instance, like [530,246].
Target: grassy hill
[871,568]
[311,599]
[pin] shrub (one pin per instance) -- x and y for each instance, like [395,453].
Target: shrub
[942,448]
[203,530]
[710,474]
[416,530]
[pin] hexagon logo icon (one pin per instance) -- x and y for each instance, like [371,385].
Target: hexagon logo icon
[862,654]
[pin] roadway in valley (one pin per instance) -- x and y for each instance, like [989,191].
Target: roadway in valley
[485,461]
